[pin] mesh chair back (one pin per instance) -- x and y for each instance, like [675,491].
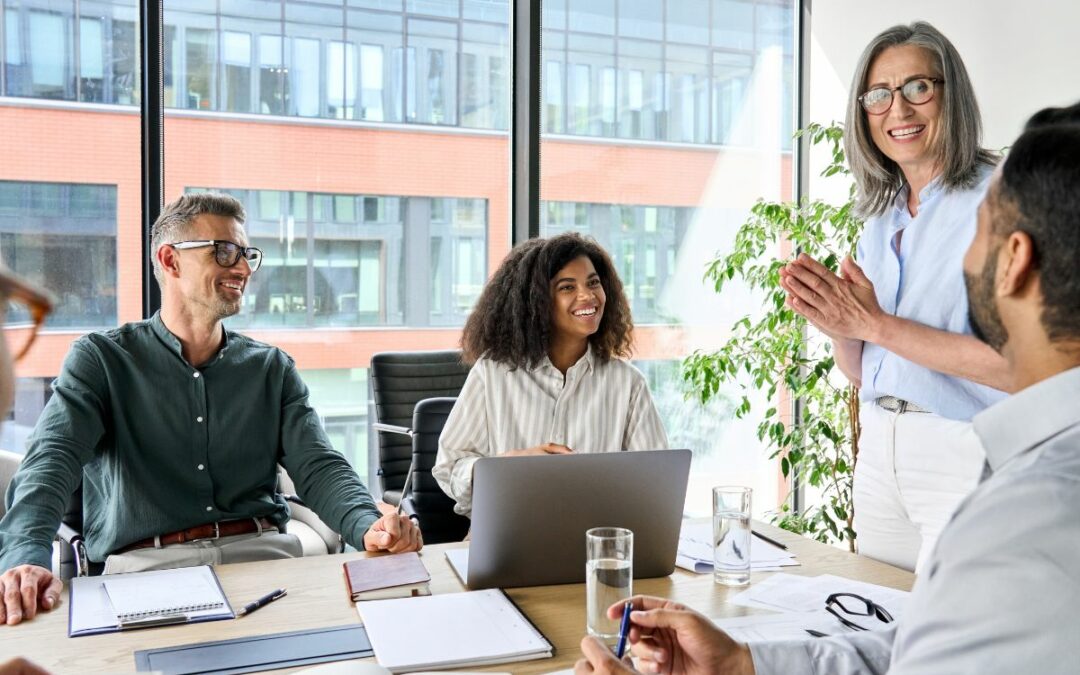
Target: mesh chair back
[399,380]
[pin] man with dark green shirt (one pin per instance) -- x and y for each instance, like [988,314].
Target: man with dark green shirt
[176,426]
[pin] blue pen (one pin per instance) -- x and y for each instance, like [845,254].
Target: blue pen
[624,629]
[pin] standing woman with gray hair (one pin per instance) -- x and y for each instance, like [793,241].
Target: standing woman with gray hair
[899,319]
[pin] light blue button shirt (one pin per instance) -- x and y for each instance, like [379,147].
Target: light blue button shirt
[923,282]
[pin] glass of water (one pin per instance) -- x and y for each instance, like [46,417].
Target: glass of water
[731,535]
[609,573]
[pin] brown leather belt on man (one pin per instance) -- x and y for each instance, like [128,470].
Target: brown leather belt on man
[224,528]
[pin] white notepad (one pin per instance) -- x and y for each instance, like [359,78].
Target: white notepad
[185,590]
[113,602]
[476,628]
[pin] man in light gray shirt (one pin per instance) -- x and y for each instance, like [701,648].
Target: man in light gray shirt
[1001,592]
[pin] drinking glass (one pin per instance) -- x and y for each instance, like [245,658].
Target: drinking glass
[609,573]
[731,535]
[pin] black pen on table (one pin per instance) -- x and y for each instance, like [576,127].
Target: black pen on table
[262,602]
[768,539]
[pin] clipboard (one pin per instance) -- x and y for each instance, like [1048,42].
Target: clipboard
[92,612]
[259,652]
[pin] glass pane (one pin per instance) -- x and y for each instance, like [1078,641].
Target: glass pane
[70,217]
[693,78]
[379,194]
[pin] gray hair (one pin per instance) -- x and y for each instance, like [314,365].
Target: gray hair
[174,222]
[959,151]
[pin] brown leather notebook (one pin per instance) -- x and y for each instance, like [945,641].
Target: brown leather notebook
[400,575]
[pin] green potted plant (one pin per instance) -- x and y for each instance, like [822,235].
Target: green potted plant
[774,353]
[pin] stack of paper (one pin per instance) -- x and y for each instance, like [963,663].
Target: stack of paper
[696,551]
[793,593]
[801,601]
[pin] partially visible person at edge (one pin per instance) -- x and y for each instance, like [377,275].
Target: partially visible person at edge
[176,427]
[999,593]
[547,341]
[898,318]
[17,291]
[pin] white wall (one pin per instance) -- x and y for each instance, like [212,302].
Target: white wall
[1022,55]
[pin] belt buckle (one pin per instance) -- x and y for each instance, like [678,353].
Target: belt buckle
[217,534]
[902,406]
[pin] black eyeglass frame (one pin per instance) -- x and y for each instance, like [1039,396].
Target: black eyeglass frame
[870,608]
[934,81]
[253,255]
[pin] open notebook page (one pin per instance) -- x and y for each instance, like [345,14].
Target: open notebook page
[184,590]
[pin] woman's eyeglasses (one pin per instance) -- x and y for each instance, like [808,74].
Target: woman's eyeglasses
[839,604]
[226,253]
[25,310]
[879,100]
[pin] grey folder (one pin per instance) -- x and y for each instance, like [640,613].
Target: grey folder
[530,514]
[258,652]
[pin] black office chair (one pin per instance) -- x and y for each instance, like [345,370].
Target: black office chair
[400,381]
[426,499]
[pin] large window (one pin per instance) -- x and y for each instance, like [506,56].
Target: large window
[689,106]
[367,140]
[70,218]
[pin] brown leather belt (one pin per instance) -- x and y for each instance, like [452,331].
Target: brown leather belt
[225,528]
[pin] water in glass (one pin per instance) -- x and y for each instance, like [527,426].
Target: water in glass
[607,581]
[731,548]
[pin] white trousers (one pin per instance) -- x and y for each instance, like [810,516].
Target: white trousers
[912,471]
[268,545]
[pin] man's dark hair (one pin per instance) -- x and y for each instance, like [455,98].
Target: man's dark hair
[1039,194]
[511,323]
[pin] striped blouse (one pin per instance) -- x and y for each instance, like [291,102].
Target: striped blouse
[598,407]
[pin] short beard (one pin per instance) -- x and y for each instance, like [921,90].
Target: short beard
[983,314]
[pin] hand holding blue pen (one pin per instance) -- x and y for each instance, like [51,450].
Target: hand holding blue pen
[624,629]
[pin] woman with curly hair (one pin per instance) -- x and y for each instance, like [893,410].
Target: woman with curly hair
[547,340]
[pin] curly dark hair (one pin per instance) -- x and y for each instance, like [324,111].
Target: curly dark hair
[511,323]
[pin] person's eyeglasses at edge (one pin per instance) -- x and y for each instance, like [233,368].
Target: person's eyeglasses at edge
[25,309]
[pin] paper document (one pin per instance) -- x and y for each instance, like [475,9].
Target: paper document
[458,629]
[792,593]
[696,551]
[784,626]
[101,604]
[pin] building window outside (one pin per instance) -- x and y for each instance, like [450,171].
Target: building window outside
[670,77]
[63,237]
[353,270]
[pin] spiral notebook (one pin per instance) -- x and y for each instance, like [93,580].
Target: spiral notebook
[145,599]
[451,630]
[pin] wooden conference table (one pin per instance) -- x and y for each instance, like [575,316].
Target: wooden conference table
[317,598]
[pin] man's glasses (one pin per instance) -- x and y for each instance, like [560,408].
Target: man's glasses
[879,100]
[25,310]
[226,253]
[839,604]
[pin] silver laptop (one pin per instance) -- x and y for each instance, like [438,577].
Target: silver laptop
[529,514]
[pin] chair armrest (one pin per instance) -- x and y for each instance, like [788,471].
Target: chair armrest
[300,512]
[392,429]
[78,565]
